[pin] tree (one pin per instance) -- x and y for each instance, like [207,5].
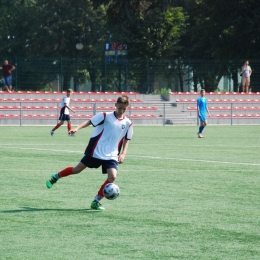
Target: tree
[225,31]
[51,29]
[152,30]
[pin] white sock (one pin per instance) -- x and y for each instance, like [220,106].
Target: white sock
[97,198]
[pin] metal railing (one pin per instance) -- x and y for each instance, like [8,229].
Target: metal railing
[148,113]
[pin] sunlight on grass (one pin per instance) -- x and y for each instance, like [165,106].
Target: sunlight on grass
[181,197]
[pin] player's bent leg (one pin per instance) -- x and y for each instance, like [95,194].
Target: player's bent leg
[64,173]
[78,168]
[111,174]
[56,127]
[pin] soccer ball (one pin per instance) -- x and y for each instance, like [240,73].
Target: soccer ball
[111,191]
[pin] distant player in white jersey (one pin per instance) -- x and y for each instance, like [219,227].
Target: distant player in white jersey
[107,146]
[64,113]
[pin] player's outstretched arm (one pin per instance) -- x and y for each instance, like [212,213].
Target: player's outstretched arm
[83,125]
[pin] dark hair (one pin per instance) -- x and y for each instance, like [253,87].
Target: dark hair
[123,100]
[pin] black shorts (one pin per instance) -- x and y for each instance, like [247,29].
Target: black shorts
[64,117]
[92,162]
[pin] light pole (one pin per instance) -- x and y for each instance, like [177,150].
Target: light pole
[79,47]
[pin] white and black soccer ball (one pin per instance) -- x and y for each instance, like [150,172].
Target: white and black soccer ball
[111,191]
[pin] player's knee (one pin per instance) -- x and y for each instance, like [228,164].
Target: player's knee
[111,179]
[111,176]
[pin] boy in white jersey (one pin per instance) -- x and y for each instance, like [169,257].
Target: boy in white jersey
[107,146]
[64,113]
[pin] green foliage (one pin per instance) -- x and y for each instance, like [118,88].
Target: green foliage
[162,91]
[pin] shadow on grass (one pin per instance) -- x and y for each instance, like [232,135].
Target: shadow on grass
[28,209]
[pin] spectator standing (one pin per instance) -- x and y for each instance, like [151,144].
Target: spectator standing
[7,73]
[246,73]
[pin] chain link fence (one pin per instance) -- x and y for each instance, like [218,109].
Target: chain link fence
[144,76]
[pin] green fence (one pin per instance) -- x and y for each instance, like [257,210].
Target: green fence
[144,76]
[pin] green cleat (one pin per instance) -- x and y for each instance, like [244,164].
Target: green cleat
[51,181]
[96,205]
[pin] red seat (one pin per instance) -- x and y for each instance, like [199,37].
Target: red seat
[100,108]
[136,100]
[111,100]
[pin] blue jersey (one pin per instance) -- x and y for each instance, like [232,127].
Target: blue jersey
[202,104]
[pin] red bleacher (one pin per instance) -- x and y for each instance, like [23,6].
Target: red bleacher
[25,104]
[227,108]
[59,100]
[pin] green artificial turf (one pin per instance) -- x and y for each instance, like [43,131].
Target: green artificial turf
[181,197]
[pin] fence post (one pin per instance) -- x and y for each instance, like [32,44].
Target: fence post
[20,113]
[16,77]
[231,114]
[164,111]
[61,77]
[95,108]
[189,75]
[105,75]
[147,75]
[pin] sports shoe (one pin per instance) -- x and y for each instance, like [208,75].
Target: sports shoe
[71,135]
[51,181]
[51,132]
[96,205]
[200,135]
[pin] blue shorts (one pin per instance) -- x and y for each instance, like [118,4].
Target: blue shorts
[92,162]
[64,117]
[8,81]
[202,118]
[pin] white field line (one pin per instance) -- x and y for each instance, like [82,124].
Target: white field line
[146,157]
[197,160]
[140,144]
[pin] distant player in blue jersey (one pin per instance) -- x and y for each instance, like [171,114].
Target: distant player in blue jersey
[107,146]
[202,109]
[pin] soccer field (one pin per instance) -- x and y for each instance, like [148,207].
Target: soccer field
[181,197]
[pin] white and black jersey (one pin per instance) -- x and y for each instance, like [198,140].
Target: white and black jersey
[64,109]
[107,139]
